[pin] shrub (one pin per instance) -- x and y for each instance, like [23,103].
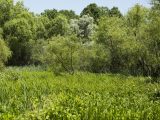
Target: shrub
[5,53]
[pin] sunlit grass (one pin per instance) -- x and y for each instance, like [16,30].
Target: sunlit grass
[36,94]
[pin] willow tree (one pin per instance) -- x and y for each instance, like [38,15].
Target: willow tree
[61,54]
[19,32]
[153,40]
[137,20]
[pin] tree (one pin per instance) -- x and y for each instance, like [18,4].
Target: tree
[62,54]
[68,54]
[137,22]
[5,10]
[92,10]
[153,41]
[57,26]
[83,27]
[114,12]
[136,19]
[5,53]
[19,10]
[51,14]
[40,27]
[155,4]
[19,32]
[111,37]
[69,14]
[121,48]
[104,11]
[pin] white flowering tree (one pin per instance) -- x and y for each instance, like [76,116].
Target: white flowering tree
[83,27]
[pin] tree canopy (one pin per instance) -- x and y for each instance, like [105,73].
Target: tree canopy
[98,40]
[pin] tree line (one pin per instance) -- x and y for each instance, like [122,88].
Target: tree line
[98,40]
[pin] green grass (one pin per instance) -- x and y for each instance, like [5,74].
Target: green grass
[33,94]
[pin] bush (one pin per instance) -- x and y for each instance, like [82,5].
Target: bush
[5,53]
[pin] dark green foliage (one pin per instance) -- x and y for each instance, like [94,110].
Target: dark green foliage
[114,12]
[5,53]
[104,11]
[51,14]
[57,26]
[153,41]
[156,4]
[96,12]
[109,41]
[19,33]
[5,10]
[92,10]
[69,14]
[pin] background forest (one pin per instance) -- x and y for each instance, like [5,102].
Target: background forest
[98,40]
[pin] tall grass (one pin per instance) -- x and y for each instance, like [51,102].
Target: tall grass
[32,94]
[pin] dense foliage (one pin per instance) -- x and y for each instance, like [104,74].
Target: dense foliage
[99,40]
[92,56]
[4,53]
[33,94]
